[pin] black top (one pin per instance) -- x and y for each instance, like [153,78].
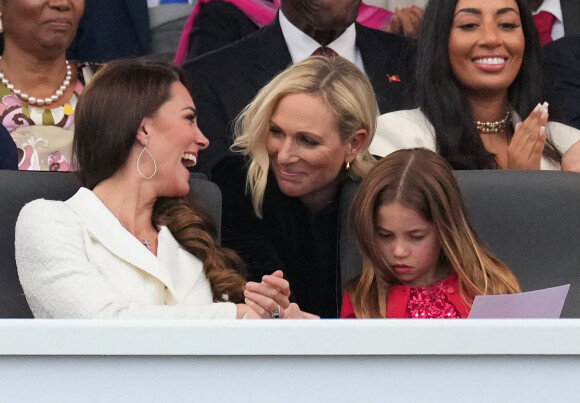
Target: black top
[111,29]
[8,151]
[289,237]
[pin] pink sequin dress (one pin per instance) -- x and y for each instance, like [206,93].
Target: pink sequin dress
[431,302]
[440,300]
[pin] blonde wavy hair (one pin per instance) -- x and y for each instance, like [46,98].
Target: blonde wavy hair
[421,180]
[341,85]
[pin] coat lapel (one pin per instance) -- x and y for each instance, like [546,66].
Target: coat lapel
[390,69]
[186,269]
[376,63]
[272,55]
[105,229]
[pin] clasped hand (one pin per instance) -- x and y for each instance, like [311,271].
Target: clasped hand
[271,295]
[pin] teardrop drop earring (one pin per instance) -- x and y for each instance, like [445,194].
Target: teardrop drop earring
[152,159]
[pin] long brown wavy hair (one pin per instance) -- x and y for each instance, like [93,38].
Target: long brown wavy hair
[188,224]
[421,180]
[107,117]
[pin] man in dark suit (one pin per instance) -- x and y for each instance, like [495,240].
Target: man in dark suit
[562,73]
[111,29]
[571,16]
[566,16]
[223,82]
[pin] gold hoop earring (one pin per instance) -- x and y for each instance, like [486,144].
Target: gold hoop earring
[154,163]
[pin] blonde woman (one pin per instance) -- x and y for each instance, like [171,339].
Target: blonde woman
[305,134]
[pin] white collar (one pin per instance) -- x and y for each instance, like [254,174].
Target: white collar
[551,6]
[176,268]
[301,45]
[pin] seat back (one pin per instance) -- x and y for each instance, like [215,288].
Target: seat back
[531,221]
[349,253]
[21,187]
[166,23]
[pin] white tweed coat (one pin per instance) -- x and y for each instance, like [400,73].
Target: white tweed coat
[76,260]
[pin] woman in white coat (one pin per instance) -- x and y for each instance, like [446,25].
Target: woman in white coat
[128,244]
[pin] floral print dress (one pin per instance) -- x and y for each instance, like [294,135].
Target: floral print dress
[43,136]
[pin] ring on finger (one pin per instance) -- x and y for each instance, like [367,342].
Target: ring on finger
[276,313]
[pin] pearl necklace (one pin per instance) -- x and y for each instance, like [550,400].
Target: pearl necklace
[493,127]
[39,101]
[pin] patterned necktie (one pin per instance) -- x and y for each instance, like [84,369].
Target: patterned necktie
[544,22]
[324,51]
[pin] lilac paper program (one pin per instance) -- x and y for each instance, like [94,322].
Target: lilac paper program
[545,303]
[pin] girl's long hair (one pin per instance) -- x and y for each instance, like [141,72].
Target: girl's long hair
[443,99]
[422,181]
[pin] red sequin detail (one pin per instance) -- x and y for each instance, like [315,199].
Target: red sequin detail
[430,303]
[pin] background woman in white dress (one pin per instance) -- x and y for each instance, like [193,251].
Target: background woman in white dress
[478,77]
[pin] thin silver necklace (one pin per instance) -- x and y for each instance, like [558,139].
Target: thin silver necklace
[145,241]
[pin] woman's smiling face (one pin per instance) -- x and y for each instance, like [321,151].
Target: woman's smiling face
[305,149]
[486,45]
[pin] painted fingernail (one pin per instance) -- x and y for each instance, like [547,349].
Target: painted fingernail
[538,107]
[518,125]
[542,131]
[544,114]
[545,105]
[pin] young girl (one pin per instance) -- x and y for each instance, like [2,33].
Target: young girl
[421,257]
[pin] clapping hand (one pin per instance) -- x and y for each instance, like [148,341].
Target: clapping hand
[527,144]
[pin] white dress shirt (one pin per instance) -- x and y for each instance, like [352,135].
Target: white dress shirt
[301,45]
[554,8]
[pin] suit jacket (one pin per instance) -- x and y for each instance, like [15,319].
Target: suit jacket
[562,74]
[218,24]
[75,260]
[571,16]
[223,82]
[112,29]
